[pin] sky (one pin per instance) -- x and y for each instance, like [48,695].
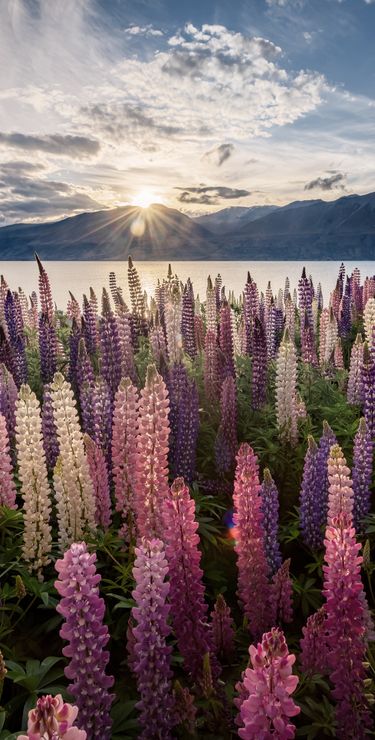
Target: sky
[198,105]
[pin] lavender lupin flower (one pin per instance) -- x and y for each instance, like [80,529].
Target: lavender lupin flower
[83,611]
[313,497]
[151,655]
[362,475]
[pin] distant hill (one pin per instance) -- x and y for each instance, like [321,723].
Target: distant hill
[230,219]
[340,229]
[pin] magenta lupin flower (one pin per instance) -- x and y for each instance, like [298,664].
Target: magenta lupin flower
[186,596]
[281,597]
[151,655]
[124,452]
[340,495]
[313,656]
[253,569]
[83,611]
[269,683]
[346,628]
[100,481]
[151,484]
[226,439]
[7,486]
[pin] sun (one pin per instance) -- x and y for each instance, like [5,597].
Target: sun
[145,198]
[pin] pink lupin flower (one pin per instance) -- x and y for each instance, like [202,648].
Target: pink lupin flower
[222,627]
[253,569]
[269,683]
[151,470]
[7,487]
[346,628]
[281,597]
[340,496]
[124,452]
[53,719]
[99,476]
[313,656]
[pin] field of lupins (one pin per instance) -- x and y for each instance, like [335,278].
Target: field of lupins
[185,521]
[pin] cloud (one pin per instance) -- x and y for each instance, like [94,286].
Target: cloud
[209,195]
[336,180]
[220,154]
[67,146]
[126,120]
[148,30]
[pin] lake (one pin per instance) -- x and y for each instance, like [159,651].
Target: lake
[79,276]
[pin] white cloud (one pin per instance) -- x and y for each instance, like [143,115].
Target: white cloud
[148,30]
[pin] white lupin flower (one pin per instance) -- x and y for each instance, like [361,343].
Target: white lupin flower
[369,321]
[35,490]
[72,482]
[286,382]
[173,314]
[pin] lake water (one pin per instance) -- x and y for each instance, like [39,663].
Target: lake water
[79,276]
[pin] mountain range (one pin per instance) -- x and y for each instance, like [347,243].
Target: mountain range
[314,230]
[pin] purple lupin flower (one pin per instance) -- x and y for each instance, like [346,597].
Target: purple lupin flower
[89,326]
[362,475]
[271,330]
[50,443]
[96,409]
[313,656]
[313,507]
[47,348]
[259,366]
[346,629]
[368,378]
[111,358]
[74,340]
[355,393]
[16,340]
[99,476]
[83,611]
[187,320]
[223,630]
[226,342]
[211,367]
[186,596]
[150,653]
[184,421]
[226,440]
[84,372]
[270,510]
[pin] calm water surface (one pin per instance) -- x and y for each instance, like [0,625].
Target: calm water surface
[79,276]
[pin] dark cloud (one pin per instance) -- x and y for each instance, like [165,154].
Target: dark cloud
[336,180]
[124,120]
[68,146]
[220,154]
[210,195]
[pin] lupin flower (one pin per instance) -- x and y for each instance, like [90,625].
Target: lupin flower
[340,494]
[16,339]
[281,596]
[184,422]
[369,322]
[110,348]
[355,380]
[32,472]
[50,443]
[186,595]
[173,312]
[53,719]
[184,707]
[151,469]
[8,400]
[313,498]
[226,342]
[187,320]
[259,366]
[313,656]
[346,628]
[269,683]
[362,475]
[73,485]
[331,336]
[211,367]
[84,372]
[368,378]
[135,290]
[99,477]
[323,324]
[83,611]
[7,487]
[89,326]
[270,510]
[124,453]
[338,356]
[211,308]
[286,380]
[253,569]
[151,653]
[223,630]
[226,439]
[96,409]
[124,327]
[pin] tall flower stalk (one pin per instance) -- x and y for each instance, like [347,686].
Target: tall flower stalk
[362,475]
[7,487]
[124,453]
[35,490]
[270,510]
[286,382]
[82,609]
